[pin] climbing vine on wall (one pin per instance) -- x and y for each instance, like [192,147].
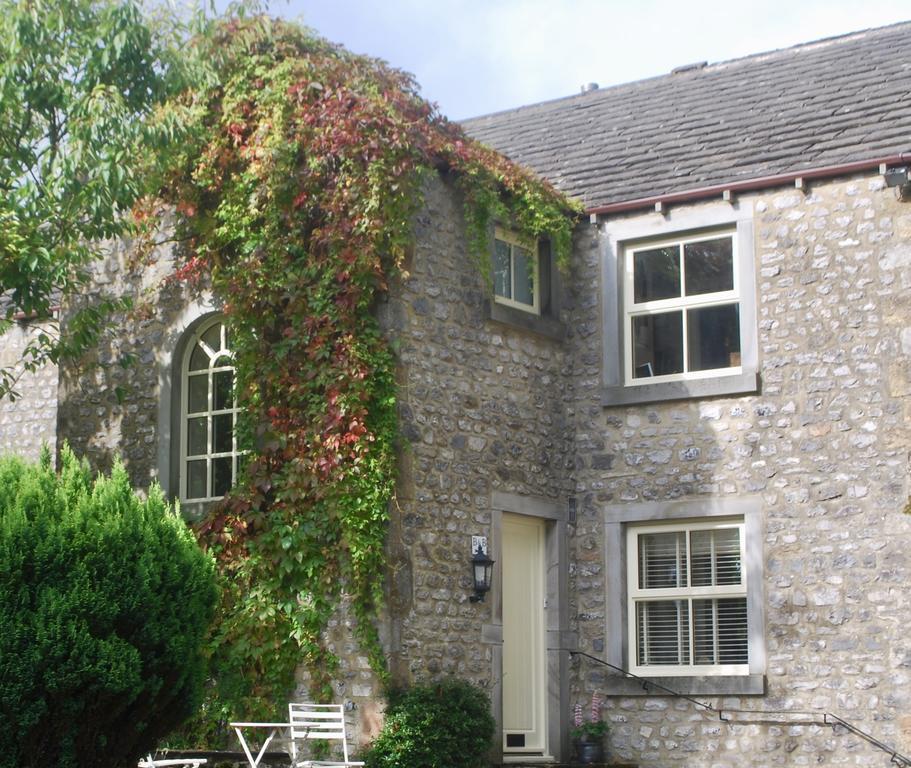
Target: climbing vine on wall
[296,185]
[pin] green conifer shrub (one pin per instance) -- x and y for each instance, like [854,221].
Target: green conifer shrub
[447,724]
[105,599]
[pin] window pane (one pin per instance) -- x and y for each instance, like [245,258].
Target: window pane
[224,390]
[720,631]
[713,337]
[662,560]
[657,344]
[196,479]
[198,393]
[197,436]
[212,337]
[221,476]
[662,631]
[709,266]
[223,428]
[525,276]
[732,630]
[199,360]
[656,274]
[502,276]
[715,557]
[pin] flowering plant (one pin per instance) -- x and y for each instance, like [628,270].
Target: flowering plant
[592,730]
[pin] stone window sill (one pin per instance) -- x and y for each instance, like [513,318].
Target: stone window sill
[742,383]
[543,325]
[705,685]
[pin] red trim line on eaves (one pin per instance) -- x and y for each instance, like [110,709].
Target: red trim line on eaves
[748,185]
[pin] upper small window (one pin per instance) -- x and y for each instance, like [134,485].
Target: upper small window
[682,309]
[516,282]
[208,444]
[688,599]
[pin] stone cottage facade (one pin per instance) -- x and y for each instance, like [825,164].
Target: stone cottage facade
[688,453]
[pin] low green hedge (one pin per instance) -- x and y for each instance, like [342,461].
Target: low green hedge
[447,724]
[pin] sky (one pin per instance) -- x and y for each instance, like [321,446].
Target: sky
[474,57]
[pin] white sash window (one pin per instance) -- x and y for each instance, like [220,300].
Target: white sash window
[683,309]
[687,599]
[208,444]
[516,279]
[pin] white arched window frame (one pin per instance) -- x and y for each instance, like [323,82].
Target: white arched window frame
[208,415]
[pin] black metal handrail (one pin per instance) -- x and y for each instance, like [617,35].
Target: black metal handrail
[821,718]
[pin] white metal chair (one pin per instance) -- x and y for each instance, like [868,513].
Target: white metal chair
[317,722]
[190,762]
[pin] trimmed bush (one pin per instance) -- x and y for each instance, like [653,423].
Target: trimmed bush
[442,725]
[105,599]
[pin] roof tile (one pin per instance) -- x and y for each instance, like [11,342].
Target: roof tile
[810,106]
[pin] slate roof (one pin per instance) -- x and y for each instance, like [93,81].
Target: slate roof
[815,105]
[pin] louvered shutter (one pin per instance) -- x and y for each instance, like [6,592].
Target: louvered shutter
[688,602]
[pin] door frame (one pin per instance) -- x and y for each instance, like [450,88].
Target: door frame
[556,616]
[523,540]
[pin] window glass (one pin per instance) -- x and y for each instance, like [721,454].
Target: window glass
[524,276]
[720,631]
[658,344]
[223,389]
[199,359]
[197,436]
[223,429]
[656,274]
[212,337]
[196,479]
[713,337]
[715,557]
[198,394]
[222,475]
[662,560]
[709,266]
[663,632]
[502,271]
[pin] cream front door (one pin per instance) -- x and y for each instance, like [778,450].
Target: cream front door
[524,681]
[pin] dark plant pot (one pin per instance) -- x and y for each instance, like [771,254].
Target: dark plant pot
[589,752]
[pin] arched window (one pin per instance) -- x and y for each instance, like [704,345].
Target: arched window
[208,444]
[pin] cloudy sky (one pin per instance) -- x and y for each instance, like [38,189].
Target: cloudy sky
[474,57]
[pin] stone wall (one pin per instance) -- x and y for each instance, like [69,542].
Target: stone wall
[482,410]
[117,402]
[30,421]
[824,445]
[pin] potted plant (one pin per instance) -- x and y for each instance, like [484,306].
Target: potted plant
[588,737]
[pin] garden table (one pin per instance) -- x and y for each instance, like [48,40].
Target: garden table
[273,729]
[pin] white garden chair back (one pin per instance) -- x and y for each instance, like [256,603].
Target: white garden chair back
[310,722]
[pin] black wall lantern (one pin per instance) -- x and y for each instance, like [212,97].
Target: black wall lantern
[481,568]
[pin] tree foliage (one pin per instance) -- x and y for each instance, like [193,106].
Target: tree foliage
[105,600]
[78,82]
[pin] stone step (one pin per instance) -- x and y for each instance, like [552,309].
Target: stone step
[609,764]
